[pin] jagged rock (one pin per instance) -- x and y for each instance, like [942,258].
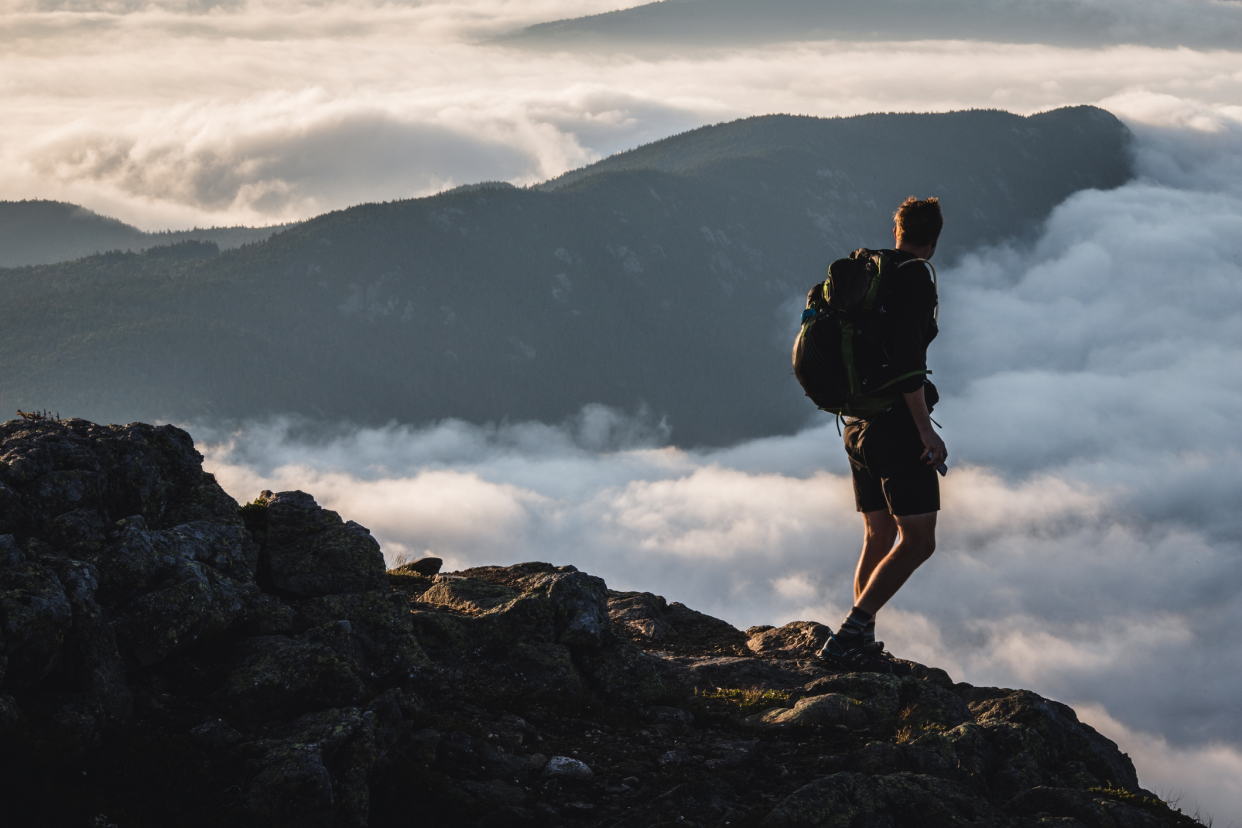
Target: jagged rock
[306,550]
[546,625]
[707,673]
[702,803]
[878,695]
[797,639]
[172,657]
[651,621]
[828,709]
[926,705]
[1048,725]
[133,603]
[426,567]
[1087,808]
[900,800]
[566,767]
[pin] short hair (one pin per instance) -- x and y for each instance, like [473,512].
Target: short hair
[919,222]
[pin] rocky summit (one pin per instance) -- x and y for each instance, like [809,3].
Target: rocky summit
[172,658]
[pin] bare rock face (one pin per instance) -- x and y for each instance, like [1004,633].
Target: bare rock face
[170,658]
[258,651]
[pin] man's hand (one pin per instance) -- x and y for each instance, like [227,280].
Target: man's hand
[932,443]
[922,419]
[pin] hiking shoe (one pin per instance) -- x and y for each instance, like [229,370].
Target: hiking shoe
[862,658]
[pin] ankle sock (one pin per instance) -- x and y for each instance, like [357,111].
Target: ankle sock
[854,628]
[869,631]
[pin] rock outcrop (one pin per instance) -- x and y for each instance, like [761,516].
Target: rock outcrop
[170,657]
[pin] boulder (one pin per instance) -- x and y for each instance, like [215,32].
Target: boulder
[1059,732]
[1087,808]
[797,639]
[830,709]
[653,623]
[306,550]
[900,800]
[426,567]
[142,617]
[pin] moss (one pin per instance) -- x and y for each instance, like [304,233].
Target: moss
[1162,809]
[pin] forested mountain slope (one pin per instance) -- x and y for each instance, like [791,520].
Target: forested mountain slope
[46,232]
[669,277]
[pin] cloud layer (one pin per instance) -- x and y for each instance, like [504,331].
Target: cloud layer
[181,113]
[1089,539]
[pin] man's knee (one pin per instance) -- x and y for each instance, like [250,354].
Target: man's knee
[918,535]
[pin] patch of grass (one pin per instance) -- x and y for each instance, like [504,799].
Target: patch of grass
[908,731]
[1164,810]
[745,700]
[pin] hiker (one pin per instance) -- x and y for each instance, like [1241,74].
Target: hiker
[893,449]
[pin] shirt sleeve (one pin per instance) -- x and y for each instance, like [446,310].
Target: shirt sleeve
[913,325]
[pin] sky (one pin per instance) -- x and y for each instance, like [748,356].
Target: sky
[1089,546]
[192,112]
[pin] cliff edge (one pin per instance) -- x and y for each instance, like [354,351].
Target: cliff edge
[168,657]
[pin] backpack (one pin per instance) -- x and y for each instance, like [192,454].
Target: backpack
[838,357]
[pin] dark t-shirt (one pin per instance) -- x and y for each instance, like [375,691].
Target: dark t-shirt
[908,321]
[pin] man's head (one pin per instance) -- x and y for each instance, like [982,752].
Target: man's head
[916,225]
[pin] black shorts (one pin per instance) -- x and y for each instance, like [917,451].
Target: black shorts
[884,455]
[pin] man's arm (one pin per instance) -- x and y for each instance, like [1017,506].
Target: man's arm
[922,419]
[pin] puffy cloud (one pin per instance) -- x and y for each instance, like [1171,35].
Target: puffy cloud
[172,114]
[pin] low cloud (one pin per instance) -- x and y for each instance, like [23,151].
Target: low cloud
[1089,540]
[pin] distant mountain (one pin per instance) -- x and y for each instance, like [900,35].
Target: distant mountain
[45,232]
[654,26]
[670,276]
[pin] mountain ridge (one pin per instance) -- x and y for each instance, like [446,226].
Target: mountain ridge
[679,24]
[34,232]
[632,287]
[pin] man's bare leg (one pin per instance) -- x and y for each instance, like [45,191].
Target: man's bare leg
[879,535]
[916,543]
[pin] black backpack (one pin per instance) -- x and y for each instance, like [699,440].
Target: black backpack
[838,356]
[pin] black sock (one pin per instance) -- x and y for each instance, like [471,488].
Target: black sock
[869,631]
[854,627]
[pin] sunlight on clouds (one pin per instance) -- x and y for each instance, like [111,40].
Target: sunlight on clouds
[182,113]
[721,513]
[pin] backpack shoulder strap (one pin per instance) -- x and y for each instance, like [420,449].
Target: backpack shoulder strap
[935,284]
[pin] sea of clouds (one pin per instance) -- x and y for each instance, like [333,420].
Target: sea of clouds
[1090,539]
[1089,545]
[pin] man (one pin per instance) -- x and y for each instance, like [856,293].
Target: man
[894,455]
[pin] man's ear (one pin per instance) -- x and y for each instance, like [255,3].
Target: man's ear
[896,237]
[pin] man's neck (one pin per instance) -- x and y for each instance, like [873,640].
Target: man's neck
[917,251]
